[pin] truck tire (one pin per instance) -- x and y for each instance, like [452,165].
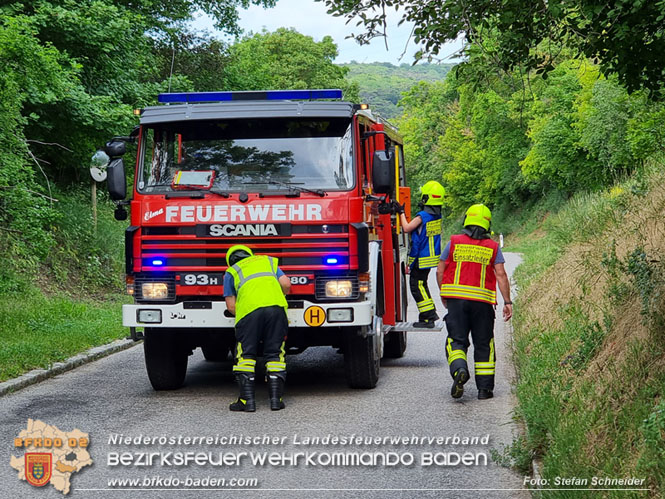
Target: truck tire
[361,359]
[165,359]
[395,345]
[215,353]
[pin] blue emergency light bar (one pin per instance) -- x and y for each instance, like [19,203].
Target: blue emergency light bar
[191,97]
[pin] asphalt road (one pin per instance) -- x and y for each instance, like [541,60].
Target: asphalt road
[113,396]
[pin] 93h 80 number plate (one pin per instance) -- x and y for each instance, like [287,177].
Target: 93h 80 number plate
[201,279]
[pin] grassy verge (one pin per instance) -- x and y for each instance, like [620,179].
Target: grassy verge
[590,337]
[43,318]
[36,331]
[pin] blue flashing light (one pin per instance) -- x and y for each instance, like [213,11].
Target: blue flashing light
[158,262]
[193,97]
[332,260]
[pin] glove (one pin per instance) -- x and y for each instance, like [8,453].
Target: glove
[398,208]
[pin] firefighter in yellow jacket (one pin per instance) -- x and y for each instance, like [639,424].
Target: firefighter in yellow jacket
[471,266]
[254,290]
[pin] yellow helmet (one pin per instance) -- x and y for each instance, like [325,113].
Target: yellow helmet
[480,215]
[432,193]
[245,252]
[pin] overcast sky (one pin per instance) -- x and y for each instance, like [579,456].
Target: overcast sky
[310,18]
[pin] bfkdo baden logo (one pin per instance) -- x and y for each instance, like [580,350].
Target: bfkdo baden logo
[38,468]
[50,455]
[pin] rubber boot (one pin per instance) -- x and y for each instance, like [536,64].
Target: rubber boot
[246,401]
[426,320]
[276,382]
[459,379]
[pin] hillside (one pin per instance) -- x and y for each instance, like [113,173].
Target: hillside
[381,84]
[589,329]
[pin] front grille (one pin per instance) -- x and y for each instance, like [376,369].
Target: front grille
[305,249]
[320,287]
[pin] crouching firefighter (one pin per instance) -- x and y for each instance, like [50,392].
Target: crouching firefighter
[425,230]
[254,290]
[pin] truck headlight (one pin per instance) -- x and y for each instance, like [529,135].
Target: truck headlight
[155,290]
[339,289]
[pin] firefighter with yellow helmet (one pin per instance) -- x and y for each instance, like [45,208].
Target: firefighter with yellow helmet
[254,290]
[425,230]
[470,268]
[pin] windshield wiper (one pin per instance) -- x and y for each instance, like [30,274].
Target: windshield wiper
[292,186]
[194,187]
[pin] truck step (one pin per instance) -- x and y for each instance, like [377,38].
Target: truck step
[408,327]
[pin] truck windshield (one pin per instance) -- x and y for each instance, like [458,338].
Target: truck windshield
[252,155]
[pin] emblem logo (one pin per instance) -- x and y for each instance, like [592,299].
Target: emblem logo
[38,468]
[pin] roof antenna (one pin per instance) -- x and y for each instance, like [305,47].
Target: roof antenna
[172,61]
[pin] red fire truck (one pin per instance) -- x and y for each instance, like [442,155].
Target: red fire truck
[298,175]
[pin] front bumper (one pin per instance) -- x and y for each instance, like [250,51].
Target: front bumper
[180,315]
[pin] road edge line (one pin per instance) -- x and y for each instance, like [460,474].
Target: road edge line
[38,375]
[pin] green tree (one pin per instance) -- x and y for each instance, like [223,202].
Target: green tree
[286,59]
[628,38]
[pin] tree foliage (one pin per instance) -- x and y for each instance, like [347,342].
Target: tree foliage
[286,59]
[626,37]
[381,84]
[73,71]
[521,136]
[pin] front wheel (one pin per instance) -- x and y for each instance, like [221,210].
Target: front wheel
[362,358]
[165,359]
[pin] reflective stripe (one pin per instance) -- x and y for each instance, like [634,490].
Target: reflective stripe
[275,366]
[431,244]
[484,372]
[423,289]
[426,304]
[453,355]
[468,292]
[412,259]
[254,276]
[458,269]
[483,275]
[428,262]
[487,368]
[278,365]
[256,285]
[485,365]
[243,365]
[243,369]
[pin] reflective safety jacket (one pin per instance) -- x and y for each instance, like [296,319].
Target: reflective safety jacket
[426,241]
[256,283]
[469,272]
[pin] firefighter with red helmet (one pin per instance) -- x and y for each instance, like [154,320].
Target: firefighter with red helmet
[470,268]
[254,290]
[425,230]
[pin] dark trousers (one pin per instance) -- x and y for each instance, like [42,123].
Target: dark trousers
[477,318]
[420,293]
[267,324]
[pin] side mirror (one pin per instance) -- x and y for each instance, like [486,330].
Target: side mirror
[115,148]
[120,213]
[117,183]
[383,172]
